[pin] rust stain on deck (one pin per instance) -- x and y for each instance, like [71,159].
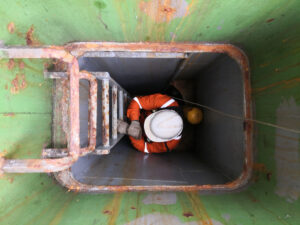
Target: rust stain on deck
[11,64]
[18,84]
[284,83]
[252,198]
[260,167]
[107,212]
[199,208]
[9,178]
[164,10]
[3,153]
[23,203]
[31,40]
[21,65]
[115,205]
[277,71]
[161,198]
[9,114]
[29,36]
[59,215]
[50,205]
[11,27]
[188,214]
[261,170]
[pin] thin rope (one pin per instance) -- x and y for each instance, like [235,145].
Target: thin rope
[239,117]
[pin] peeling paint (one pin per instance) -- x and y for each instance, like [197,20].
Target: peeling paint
[29,36]
[287,151]
[270,20]
[188,214]
[107,212]
[21,65]
[11,27]
[167,219]
[3,153]
[11,64]
[164,198]
[31,39]
[164,10]
[18,83]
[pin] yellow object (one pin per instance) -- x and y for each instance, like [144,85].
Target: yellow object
[194,115]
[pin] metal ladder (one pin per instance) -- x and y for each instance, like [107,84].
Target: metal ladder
[111,106]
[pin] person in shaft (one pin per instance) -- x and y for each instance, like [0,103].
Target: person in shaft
[156,123]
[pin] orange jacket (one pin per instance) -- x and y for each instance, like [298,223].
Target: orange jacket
[148,103]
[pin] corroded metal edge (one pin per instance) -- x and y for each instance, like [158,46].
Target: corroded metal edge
[92,132]
[66,178]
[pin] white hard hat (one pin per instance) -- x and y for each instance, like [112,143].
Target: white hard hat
[163,125]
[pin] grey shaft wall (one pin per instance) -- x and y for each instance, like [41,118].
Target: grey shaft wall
[220,140]
[219,84]
[139,76]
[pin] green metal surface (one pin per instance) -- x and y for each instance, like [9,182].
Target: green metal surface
[267,30]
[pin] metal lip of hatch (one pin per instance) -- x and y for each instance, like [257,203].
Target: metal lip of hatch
[70,52]
[176,50]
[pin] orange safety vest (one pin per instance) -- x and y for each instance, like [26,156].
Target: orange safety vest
[148,103]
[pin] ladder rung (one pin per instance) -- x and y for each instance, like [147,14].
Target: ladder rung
[105,112]
[114,107]
[121,105]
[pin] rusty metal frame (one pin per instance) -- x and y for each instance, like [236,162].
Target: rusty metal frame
[92,131]
[66,178]
[107,83]
[69,53]
[47,165]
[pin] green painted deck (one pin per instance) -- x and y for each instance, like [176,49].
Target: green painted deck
[268,31]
